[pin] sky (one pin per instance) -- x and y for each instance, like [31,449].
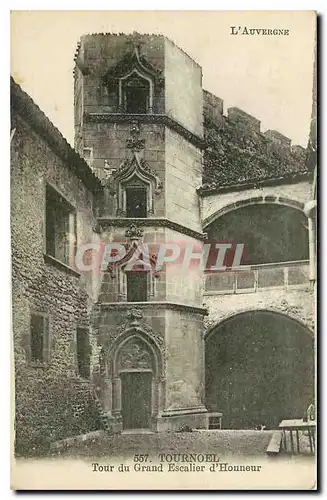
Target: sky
[269,77]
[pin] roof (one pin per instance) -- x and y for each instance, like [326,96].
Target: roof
[22,104]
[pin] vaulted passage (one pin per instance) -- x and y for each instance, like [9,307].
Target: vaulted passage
[270,233]
[259,370]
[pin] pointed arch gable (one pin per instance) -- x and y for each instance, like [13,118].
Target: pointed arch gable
[132,64]
[136,332]
[135,168]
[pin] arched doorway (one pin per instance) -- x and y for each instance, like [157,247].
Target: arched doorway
[135,382]
[259,369]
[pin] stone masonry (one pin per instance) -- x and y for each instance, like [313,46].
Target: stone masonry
[145,130]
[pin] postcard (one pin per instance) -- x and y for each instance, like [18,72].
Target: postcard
[163,233]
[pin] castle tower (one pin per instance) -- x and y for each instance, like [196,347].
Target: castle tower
[139,124]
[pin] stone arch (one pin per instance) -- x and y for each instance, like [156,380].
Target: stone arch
[289,315]
[259,368]
[254,200]
[272,229]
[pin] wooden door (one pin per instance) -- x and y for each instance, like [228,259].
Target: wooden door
[136,399]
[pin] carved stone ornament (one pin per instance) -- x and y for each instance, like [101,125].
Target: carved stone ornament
[135,143]
[138,166]
[134,232]
[134,355]
[134,316]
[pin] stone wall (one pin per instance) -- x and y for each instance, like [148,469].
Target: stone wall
[219,202]
[183,88]
[184,283]
[99,53]
[108,142]
[297,304]
[37,285]
[237,151]
[78,111]
[183,177]
[185,360]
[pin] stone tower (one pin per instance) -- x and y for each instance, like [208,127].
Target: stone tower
[139,124]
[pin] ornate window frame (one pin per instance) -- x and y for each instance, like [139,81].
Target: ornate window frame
[135,167]
[132,63]
[143,76]
[122,285]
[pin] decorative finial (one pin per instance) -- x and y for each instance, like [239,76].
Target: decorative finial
[136,40]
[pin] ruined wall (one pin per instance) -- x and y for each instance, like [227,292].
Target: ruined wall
[237,151]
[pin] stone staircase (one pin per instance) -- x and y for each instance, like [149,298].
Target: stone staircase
[102,416]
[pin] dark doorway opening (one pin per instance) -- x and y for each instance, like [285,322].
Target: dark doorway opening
[136,399]
[259,370]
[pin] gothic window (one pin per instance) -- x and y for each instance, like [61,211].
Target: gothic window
[135,94]
[137,286]
[60,227]
[83,352]
[39,346]
[135,186]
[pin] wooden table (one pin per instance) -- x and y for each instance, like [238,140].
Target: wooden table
[298,425]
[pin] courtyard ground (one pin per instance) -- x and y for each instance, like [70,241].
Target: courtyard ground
[223,443]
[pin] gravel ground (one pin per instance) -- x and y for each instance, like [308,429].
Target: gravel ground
[223,443]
